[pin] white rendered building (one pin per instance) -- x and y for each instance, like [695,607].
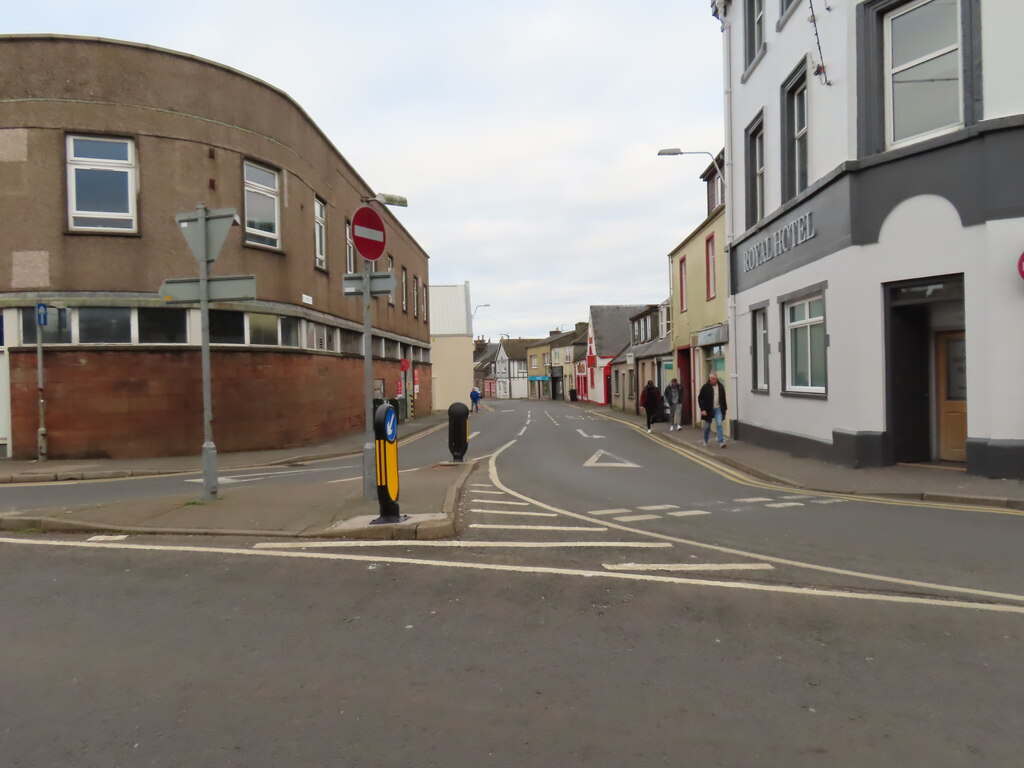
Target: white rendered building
[876,218]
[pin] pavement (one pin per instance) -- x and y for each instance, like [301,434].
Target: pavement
[428,495]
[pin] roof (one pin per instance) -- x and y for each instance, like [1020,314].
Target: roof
[485,353]
[516,348]
[611,326]
[449,310]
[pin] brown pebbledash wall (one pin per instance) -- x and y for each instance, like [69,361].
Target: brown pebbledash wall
[132,403]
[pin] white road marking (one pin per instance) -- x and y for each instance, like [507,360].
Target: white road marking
[520,432]
[795,496]
[515,512]
[501,501]
[493,473]
[360,477]
[689,512]
[658,507]
[498,567]
[248,478]
[552,418]
[360,543]
[590,437]
[536,527]
[752,499]
[637,518]
[498,493]
[688,567]
[785,504]
[104,537]
[508,410]
[474,434]
[608,512]
[484,485]
[827,501]
[596,461]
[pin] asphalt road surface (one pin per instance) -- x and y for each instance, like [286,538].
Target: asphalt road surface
[611,600]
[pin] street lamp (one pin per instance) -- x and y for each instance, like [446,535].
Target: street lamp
[478,306]
[714,160]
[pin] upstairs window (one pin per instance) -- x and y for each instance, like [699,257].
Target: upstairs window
[101,184]
[320,233]
[415,296]
[682,284]
[350,248]
[755,171]
[923,94]
[709,267]
[262,206]
[755,29]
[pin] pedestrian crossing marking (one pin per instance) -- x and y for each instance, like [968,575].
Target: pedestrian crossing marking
[785,504]
[637,518]
[514,512]
[501,501]
[609,512]
[688,566]
[689,512]
[659,507]
[496,527]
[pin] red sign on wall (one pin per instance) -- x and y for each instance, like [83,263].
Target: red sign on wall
[416,377]
[398,389]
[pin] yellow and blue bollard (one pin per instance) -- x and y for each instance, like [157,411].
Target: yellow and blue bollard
[385,430]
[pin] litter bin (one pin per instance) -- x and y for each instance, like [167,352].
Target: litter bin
[572,395]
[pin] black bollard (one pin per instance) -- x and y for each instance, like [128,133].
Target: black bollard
[385,432]
[458,430]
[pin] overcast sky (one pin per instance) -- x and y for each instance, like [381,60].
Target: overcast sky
[525,135]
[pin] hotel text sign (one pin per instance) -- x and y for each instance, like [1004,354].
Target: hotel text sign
[785,238]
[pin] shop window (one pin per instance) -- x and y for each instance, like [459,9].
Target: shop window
[163,326]
[104,325]
[56,331]
[805,345]
[262,206]
[227,327]
[101,182]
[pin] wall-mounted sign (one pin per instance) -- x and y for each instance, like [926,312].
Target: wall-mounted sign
[1020,266]
[785,238]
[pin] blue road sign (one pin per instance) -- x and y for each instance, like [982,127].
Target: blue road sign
[391,426]
[41,314]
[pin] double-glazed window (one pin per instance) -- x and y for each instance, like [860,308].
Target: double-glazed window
[805,344]
[350,248]
[101,184]
[759,348]
[320,232]
[755,171]
[709,266]
[795,176]
[682,284]
[415,296]
[262,206]
[924,94]
[108,325]
[754,29]
[405,290]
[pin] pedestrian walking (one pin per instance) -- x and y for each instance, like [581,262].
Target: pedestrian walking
[711,401]
[474,398]
[650,401]
[673,398]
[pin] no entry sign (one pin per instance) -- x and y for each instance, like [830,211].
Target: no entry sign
[1020,266]
[368,233]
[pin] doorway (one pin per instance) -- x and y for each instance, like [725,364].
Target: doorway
[926,370]
[5,396]
[685,384]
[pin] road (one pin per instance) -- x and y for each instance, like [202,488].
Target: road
[611,600]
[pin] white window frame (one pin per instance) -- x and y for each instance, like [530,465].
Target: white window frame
[758,138]
[391,269]
[710,277]
[350,249]
[320,233]
[805,323]
[890,125]
[128,167]
[405,289]
[799,97]
[415,296]
[274,194]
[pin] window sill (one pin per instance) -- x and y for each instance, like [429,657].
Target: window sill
[264,248]
[324,270]
[753,63]
[805,395]
[786,15]
[102,232]
[760,391]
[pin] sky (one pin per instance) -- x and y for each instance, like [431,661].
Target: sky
[524,135]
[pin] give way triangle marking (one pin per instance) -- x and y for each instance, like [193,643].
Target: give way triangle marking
[605,459]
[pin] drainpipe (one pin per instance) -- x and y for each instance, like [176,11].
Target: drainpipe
[730,156]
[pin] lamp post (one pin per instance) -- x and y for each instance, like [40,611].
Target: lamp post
[369,456]
[714,160]
[478,306]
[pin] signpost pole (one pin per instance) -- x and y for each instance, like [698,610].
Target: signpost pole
[209,449]
[369,458]
[41,447]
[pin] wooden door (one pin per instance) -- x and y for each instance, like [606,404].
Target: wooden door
[951,389]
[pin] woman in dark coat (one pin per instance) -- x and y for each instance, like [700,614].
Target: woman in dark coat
[650,401]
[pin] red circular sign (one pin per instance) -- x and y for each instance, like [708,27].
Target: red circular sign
[405,364]
[368,233]
[1020,266]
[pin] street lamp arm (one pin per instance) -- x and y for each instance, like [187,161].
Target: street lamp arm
[714,159]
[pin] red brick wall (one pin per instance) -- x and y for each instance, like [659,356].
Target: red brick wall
[130,402]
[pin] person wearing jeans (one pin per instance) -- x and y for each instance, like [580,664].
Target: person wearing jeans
[711,401]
